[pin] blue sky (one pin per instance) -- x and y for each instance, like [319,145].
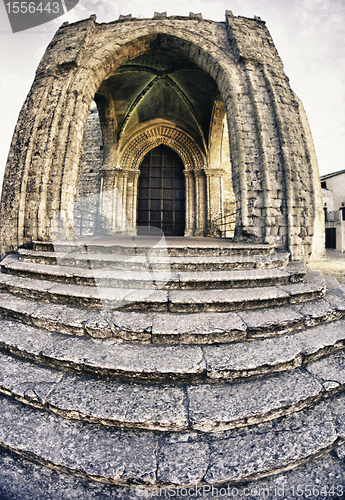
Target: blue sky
[309,36]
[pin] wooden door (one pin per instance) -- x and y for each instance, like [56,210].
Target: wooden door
[161,192]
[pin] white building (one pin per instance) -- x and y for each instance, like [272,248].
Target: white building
[333,193]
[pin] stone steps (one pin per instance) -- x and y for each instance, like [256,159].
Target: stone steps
[185,407]
[142,262]
[146,279]
[171,328]
[228,370]
[177,301]
[125,457]
[295,410]
[16,475]
[177,363]
[136,245]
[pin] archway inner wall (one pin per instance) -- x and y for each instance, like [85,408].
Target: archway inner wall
[274,177]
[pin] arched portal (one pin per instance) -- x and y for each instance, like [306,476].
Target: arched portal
[161,98]
[161,192]
[180,70]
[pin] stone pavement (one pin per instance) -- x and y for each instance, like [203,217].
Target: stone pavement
[333,265]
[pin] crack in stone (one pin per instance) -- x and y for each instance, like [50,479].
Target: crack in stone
[54,386]
[186,404]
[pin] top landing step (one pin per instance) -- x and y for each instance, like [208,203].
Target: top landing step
[138,245]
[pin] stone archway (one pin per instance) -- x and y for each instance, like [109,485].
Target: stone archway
[274,170]
[121,183]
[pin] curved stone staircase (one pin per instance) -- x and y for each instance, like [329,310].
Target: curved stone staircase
[199,362]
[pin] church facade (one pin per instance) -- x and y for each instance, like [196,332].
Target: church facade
[180,123]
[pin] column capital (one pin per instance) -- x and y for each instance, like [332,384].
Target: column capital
[213,172]
[115,171]
[134,174]
[188,173]
[199,172]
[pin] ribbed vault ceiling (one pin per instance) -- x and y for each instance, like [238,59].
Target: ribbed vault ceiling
[162,84]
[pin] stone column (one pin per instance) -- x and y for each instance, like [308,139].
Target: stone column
[132,199]
[214,190]
[106,205]
[121,202]
[200,203]
[190,203]
[114,200]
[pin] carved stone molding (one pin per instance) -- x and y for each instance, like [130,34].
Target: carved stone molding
[133,150]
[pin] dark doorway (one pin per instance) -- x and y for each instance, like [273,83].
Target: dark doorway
[331,237]
[161,192]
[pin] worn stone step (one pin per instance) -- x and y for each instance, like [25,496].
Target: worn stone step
[156,245]
[247,298]
[173,328]
[151,279]
[130,457]
[203,407]
[16,475]
[142,262]
[159,363]
[178,301]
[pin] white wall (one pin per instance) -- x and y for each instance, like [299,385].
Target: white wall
[337,185]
